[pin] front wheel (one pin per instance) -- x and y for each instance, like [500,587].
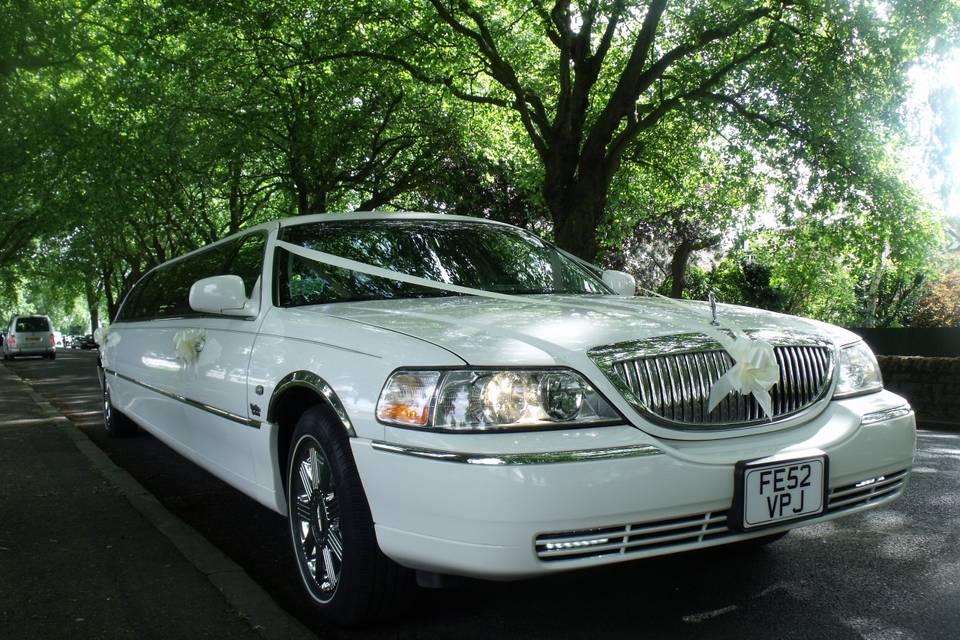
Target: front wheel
[331,529]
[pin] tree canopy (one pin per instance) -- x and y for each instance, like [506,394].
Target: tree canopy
[765,133]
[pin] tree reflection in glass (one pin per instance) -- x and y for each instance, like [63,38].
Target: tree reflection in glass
[469,254]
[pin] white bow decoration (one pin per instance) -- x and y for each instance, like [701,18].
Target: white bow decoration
[755,371]
[188,345]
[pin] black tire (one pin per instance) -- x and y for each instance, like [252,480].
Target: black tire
[334,510]
[52,356]
[116,424]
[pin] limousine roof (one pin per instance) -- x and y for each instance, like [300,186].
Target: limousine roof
[330,217]
[376,215]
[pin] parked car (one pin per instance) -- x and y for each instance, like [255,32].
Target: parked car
[29,336]
[458,396]
[87,342]
[58,339]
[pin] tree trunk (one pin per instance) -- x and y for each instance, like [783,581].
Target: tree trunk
[873,296]
[108,293]
[93,304]
[678,268]
[236,201]
[576,205]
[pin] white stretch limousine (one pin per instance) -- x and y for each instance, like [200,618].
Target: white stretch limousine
[458,396]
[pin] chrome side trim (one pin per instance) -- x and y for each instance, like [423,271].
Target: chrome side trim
[317,384]
[886,414]
[501,459]
[188,401]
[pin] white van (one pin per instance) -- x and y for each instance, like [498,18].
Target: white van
[29,336]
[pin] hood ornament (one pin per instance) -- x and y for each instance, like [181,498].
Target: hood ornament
[712,299]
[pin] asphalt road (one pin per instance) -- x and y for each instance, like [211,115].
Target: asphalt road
[892,573]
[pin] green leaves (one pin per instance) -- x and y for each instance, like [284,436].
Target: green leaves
[648,134]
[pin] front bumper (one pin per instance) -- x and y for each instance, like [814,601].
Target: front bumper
[492,506]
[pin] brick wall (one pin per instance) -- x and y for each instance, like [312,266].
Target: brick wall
[932,385]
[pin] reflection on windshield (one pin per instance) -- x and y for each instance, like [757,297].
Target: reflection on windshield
[469,254]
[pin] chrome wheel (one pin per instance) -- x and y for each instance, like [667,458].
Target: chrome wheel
[315,519]
[107,407]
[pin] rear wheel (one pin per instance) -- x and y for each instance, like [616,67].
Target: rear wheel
[331,529]
[116,424]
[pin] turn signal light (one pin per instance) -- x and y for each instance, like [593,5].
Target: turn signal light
[405,413]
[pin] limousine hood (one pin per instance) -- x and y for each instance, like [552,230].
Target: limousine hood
[558,330]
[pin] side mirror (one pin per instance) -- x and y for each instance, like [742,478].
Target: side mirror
[623,284]
[221,295]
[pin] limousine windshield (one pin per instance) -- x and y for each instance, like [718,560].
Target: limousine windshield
[469,254]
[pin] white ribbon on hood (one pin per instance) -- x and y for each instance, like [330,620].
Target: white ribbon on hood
[755,368]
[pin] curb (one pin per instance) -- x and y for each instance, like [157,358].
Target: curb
[248,598]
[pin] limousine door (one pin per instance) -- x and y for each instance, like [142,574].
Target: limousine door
[140,362]
[218,423]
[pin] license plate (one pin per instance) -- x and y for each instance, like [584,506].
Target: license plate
[769,492]
[33,339]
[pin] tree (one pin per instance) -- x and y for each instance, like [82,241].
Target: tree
[940,307]
[586,79]
[684,191]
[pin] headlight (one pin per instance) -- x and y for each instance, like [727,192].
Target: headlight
[858,371]
[483,400]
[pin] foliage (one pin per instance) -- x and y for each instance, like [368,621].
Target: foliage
[642,133]
[740,279]
[941,306]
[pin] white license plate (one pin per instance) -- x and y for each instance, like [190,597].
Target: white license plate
[771,492]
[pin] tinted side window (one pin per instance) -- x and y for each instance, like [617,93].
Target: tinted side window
[165,292]
[177,279]
[137,304]
[248,260]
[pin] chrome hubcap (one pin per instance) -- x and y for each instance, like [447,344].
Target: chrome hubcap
[316,525]
[106,407]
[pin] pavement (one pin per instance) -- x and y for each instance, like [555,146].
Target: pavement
[86,552]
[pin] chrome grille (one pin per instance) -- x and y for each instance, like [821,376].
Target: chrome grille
[670,378]
[662,536]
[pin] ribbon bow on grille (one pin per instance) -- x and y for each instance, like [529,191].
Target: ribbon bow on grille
[755,371]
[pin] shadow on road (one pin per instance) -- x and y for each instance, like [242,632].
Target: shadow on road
[889,573]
